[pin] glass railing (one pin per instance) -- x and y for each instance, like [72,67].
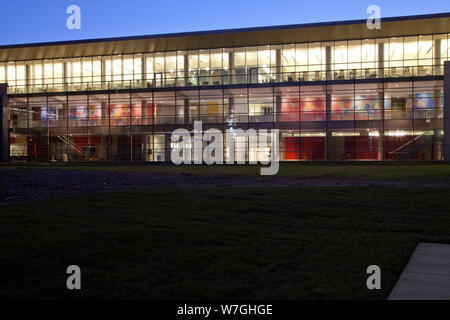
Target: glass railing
[242,118]
[255,76]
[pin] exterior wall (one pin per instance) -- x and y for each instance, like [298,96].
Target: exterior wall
[4,132]
[375,58]
[339,120]
[447,112]
[336,92]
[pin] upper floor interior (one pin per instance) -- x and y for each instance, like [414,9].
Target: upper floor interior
[404,47]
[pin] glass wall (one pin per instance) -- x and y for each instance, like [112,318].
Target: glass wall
[394,120]
[339,60]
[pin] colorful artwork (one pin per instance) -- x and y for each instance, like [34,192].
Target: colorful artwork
[388,104]
[290,110]
[423,102]
[366,107]
[313,109]
[78,112]
[51,114]
[343,108]
[120,114]
[95,112]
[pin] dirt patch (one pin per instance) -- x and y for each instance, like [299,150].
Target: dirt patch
[18,185]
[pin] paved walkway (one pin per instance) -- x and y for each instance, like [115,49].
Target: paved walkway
[427,275]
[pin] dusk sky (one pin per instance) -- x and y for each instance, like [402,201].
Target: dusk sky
[26,21]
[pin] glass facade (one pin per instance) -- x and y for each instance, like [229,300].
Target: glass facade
[358,100]
[382,120]
[337,60]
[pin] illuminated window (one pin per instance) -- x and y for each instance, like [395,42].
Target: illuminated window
[87,70]
[137,68]
[128,68]
[58,72]
[117,68]
[21,75]
[301,57]
[97,70]
[2,73]
[11,73]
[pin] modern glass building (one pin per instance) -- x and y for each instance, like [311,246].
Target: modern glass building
[336,91]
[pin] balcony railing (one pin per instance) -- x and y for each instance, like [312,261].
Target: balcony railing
[254,76]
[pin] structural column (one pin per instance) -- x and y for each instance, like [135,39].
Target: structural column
[105,131]
[381,130]
[168,149]
[437,57]
[104,85]
[231,66]
[279,106]
[328,59]
[27,77]
[65,76]
[144,72]
[381,60]
[447,111]
[144,107]
[4,130]
[437,142]
[329,134]
[186,70]
[231,107]
[278,65]
[186,111]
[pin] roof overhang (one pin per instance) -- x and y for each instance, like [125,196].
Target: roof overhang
[333,31]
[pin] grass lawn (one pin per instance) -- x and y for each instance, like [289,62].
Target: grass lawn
[266,243]
[404,172]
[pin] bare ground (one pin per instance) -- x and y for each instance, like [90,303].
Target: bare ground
[18,185]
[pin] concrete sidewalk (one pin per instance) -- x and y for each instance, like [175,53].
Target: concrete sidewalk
[427,275]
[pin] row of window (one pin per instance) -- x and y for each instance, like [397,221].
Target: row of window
[295,145]
[348,59]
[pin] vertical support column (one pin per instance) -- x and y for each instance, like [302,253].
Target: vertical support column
[381,61]
[27,78]
[105,124]
[231,66]
[230,107]
[103,77]
[437,143]
[437,69]
[144,122]
[186,70]
[329,135]
[186,111]
[328,60]
[279,106]
[64,79]
[144,108]
[381,155]
[278,76]
[4,129]
[144,72]
[168,141]
[447,111]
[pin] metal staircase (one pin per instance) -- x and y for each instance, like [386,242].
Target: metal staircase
[423,140]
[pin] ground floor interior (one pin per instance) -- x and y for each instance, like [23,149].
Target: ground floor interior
[360,145]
